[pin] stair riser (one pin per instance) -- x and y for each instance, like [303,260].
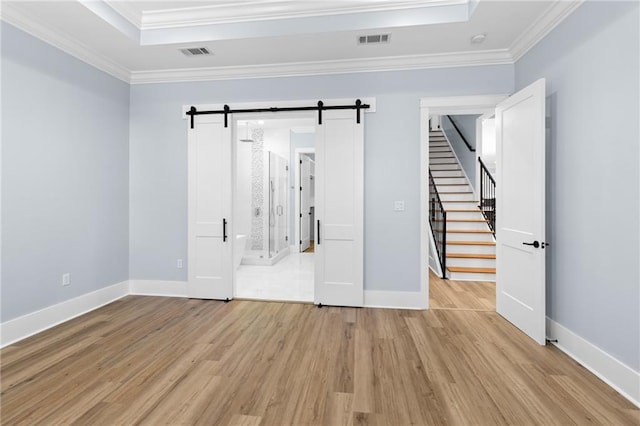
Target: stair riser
[471,263]
[442,180]
[461,276]
[464,215]
[463,205]
[479,226]
[468,225]
[471,249]
[446,174]
[464,236]
[441,167]
[457,197]
[453,188]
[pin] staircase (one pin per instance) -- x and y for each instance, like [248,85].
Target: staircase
[471,247]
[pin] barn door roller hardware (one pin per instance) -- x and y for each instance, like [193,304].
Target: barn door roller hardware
[358,105]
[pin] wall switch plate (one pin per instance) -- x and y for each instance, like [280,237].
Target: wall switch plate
[179,263]
[66,279]
[398,206]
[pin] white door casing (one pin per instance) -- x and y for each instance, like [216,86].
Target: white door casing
[339,210]
[305,202]
[210,264]
[520,210]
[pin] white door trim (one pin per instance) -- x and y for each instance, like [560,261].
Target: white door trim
[297,177]
[440,105]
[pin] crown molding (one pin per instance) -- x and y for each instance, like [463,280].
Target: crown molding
[127,11]
[14,16]
[556,13]
[396,63]
[231,12]
[539,29]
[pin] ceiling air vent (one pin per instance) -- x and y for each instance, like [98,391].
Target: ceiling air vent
[195,51]
[374,39]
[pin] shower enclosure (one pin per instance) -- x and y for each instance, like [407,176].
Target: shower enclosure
[269,181]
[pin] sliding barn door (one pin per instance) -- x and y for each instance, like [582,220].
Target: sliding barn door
[209,234]
[339,209]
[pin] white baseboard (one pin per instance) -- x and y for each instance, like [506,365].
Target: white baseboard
[158,288]
[613,372]
[27,325]
[395,299]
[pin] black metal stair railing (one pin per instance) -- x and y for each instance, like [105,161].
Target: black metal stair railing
[438,222]
[487,196]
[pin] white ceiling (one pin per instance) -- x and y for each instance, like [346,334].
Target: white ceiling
[139,41]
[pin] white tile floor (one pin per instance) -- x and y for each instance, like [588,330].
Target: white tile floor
[289,279]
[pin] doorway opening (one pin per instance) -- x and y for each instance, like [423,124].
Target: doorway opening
[268,261]
[462,252]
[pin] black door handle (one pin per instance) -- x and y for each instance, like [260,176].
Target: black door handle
[318,221]
[535,244]
[224,230]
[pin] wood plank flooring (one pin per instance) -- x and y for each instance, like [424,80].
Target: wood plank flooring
[465,295]
[153,360]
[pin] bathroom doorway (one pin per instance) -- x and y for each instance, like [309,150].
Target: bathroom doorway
[269,261]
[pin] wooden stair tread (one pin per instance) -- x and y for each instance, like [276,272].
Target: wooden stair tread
[470,256]
[464,210]
[460,201]
[471,243]
[469,231]
[471,270]
[455,192]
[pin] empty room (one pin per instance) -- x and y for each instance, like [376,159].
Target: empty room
[354,212]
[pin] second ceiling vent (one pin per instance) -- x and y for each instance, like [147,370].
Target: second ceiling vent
[374,39]
[196,51]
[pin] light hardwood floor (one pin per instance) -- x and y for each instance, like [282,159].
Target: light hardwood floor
[146,360]
[465,295]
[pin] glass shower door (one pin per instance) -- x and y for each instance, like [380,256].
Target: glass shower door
[278,171]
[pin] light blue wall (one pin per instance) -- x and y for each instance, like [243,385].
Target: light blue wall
[64,176]
[297,140]
[158,179]
[591,65]
[467,125]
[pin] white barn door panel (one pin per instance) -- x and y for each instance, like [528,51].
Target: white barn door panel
[209,209]
[339,210]
[520,210]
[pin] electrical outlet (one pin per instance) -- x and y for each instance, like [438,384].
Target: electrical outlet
[66,279]
[179,263]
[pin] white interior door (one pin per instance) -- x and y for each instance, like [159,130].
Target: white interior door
[339,209]
[520,208]
[209,209]
[305,202]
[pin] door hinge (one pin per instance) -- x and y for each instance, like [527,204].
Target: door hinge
[300,242]
[300,214]
[300,188]
[286,168]
[286,238]
[300,161]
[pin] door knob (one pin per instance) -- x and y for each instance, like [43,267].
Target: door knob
[535,244]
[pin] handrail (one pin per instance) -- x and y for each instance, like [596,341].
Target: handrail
[472,149]
[438,222]
[487,196]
